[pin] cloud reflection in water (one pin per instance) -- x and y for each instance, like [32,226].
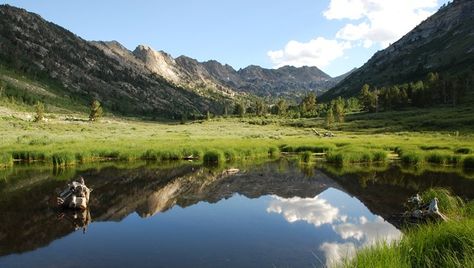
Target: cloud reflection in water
[360,229]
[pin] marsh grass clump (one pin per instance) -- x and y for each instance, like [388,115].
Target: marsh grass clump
[434,147]
[468,162]
[414,158]
[323,148]
[214,157]
[463,150]
[448,203]
[349,154]
[273,152]
[30,156]
[306,157]
[230,155]
[63,159]
[442,158]
[84,157]
[6,160]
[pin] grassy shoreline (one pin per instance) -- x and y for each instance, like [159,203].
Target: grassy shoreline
[444,244]
[71,140]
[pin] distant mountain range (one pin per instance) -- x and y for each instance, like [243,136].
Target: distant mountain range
[150,82]
[442,43]
[190,73]
[143,81]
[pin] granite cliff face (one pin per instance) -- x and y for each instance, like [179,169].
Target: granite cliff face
[214,76]
[442,43]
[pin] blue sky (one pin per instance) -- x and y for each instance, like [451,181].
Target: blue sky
[335,35]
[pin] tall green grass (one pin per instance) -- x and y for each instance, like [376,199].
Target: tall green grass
[448,244]
[322,148]
[63,159]
[214,157]
[6,160]
[306,156]
[468,162]
[443,158]
[448,203]
[445,244]
[350,155]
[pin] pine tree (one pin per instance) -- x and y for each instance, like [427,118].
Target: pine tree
[239,109]
[339,108]
[308,105]
[329,118]
[259,108]
[96,111]
[282,107]
[39,108]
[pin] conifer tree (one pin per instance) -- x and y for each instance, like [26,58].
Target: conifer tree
[39,109]
[96,111]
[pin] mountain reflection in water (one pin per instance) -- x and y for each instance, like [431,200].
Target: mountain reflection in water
[187,215]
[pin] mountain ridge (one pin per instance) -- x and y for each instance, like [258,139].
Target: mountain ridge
[442,43]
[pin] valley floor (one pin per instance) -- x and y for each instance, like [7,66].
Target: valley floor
[66,139]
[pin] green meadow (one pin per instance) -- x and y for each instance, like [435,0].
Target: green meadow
[64,140]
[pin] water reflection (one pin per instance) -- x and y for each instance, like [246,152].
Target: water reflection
[316,211]
[354,225]
[269,214]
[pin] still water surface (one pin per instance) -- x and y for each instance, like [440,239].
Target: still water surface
[278,214]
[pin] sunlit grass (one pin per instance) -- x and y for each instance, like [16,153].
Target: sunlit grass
[235,138]
[445,244]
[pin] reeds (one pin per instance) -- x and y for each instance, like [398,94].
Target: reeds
[6,160]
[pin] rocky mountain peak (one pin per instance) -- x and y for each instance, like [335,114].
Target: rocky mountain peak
[443,43]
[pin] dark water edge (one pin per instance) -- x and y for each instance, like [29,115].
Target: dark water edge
[280,213]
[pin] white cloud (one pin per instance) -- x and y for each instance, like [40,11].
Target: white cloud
[364,233]
[345,9]
[316,211]
[368,231]
[336,252]
[318,52]
[383,21]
